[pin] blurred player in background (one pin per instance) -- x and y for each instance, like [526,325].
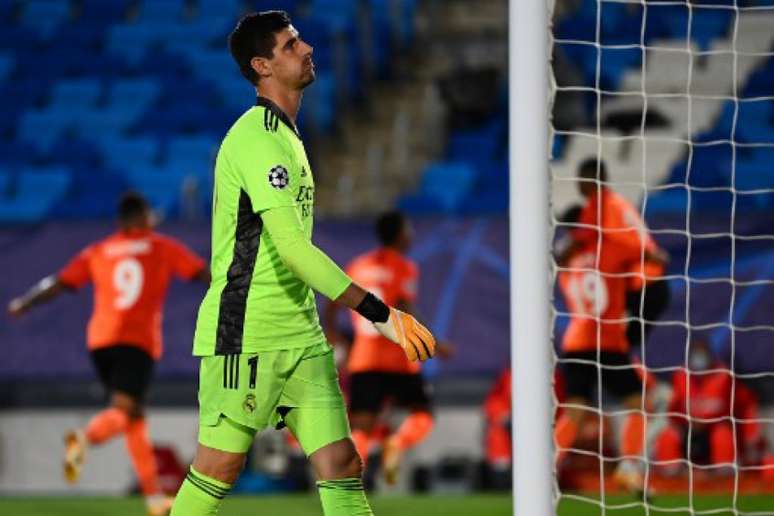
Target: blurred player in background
[710,404]
[131,270]
[380,372]
[609,245]
[264,357]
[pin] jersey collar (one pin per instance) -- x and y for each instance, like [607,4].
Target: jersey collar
[268,104]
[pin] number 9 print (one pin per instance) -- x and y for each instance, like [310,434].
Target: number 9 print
[128,279]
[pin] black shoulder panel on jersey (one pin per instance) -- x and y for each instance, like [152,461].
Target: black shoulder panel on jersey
[273,115]
[233,299]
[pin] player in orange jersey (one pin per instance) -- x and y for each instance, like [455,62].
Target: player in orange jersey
[648,293]
[131,270]
[379,370]
[607,248]
[715,418]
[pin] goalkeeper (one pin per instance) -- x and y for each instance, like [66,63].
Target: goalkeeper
[264,358]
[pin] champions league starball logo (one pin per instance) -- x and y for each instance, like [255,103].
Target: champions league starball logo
[278,177]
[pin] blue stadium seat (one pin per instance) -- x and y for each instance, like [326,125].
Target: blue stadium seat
[143,92]
[44,15]
[761,82]
[236,92]
[105,12]
[36,193]
[101,123]
[131,41]
[18,37]
[83,34]
[478,144]
[15,152]
[444,186]
[209,9]
[116,152]
[161,186]
[320,103]
[200,149]
[161,10]
[42,129]
[76,93]
[74,153]
[6,65]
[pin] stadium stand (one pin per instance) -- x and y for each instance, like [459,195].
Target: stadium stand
[138,93]
[621,39]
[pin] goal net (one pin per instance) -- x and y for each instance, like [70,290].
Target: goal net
[662,211]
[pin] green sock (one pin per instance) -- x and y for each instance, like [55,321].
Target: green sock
[199,495]
[343,497]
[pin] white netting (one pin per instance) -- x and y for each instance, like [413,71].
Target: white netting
[676,99]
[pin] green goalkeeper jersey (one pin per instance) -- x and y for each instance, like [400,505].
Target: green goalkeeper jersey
[255,303]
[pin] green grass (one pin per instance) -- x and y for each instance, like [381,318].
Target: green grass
[307,505]
[622,505]
[301,505]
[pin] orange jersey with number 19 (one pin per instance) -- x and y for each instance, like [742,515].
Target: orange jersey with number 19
[130,272]
[393,278]
[596,299]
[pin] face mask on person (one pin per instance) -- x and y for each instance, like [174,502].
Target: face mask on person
[699,361]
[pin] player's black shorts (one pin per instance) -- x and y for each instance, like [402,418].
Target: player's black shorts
[582,378]
[124,368]
[369,391]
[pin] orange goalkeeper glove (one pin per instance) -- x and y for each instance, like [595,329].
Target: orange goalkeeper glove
[403,329]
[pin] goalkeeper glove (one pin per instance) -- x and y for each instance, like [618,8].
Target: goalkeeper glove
[402,328]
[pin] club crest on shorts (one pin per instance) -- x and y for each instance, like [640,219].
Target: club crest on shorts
[249,403]
[278,177]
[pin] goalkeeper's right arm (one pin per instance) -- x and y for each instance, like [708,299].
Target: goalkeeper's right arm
[318,271]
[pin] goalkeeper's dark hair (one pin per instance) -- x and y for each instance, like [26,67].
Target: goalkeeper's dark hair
[593,169]
[132,207]
[389,227]
[255,36]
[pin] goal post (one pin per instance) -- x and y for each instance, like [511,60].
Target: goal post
[531,362]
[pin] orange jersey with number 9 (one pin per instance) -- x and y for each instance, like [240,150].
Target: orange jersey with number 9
[393,278]
[130,272]
[596,302]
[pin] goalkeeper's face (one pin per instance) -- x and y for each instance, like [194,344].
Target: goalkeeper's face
[291,64]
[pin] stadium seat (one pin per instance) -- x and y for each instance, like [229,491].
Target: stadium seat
[116,152]
[161,186]
[209,9]
[36,193]
[44,15]
[5,183]
[104,12]
[142,92]
[42,129]
[195,148]
[76,93]
[6,65]
[161,10]
[444,186]
[85,34]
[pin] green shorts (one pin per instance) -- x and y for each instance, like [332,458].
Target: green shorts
[240,395]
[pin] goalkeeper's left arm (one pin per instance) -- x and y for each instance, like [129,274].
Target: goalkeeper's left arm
[318,271]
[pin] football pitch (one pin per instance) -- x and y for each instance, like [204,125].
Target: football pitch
[451,505]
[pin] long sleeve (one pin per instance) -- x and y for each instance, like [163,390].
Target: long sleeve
[302,257]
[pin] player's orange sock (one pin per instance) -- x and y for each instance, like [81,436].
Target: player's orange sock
[633,434]
[565,431]
[106,425]
[362,444]
[141,452]
[413,430]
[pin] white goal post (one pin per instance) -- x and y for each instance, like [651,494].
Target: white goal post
[529,257]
